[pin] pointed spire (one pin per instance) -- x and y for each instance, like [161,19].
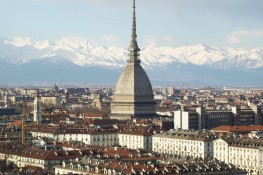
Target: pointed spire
[134,49]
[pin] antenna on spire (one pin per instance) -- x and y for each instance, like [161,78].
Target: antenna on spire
[134,49]
[134,35]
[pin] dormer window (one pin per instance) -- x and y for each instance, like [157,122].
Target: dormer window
[71,165]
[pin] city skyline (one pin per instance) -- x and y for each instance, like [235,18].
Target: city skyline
[197,110]
[106,23]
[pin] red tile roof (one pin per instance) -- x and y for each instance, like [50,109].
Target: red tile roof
[51,155]
[238,128]
[16,123]
[96,115]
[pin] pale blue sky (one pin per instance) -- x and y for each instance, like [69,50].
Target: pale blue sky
[234,23]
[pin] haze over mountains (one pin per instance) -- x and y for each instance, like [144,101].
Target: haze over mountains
[76,60]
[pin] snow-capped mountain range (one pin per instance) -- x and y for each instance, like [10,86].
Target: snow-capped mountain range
[82,53]
[79,53]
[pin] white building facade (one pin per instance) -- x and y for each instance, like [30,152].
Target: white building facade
[183,143]
[244,155]
[132,138]
[51,100]
[135,141]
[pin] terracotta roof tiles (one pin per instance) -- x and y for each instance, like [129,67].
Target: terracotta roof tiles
[243,128]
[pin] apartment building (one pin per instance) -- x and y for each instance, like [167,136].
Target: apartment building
[136,137]
[23,156]
[244,153]
[203,118]
[51,100]
[127,136]
[192,144]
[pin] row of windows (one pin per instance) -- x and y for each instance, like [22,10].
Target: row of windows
[179,147]
[131,140]
[103,139]
[179,141]
[243,150]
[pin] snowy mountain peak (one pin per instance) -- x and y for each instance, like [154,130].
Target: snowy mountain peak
[73,42]
[23,42]
[201,46]
[80,52]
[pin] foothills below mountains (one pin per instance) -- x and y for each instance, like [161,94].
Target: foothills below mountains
[72,60]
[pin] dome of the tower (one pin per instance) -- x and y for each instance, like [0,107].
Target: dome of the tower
[133,84]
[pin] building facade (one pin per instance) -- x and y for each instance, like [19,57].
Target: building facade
[244,153]
[202,118]
[51,100]
[192,144]
[130,137]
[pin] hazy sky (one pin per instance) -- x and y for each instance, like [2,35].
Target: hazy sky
[234,23]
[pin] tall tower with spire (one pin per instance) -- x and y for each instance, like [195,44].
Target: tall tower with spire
[133,97]
[134,49]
